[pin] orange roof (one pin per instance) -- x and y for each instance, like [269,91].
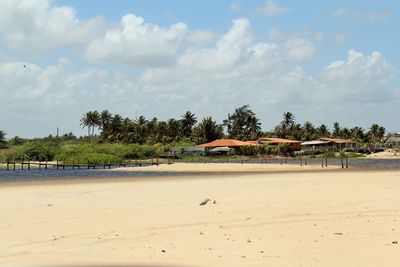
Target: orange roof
[336,140]
[226,142]
[276,140]
[252,143]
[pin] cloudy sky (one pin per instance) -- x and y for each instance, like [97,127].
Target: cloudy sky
[324,61]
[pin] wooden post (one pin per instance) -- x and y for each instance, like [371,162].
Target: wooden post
[347,164]
[326,162]
[341,159]
[45,167]
[322,162]
[29,164]
[14,165]
[57,165]
[8,165]
[305,161]
[22,165]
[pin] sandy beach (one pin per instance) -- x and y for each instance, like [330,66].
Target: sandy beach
[297,218]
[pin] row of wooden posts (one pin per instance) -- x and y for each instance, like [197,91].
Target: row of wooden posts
[62,165]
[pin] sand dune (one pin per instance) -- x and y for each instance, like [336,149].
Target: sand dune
[278,219]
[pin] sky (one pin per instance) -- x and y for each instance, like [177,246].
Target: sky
[324,61]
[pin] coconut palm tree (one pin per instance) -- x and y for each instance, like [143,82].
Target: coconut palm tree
[243,123]
[287,123]
[336,130]
[323,131]
[3,141]
[253,128]
[95,120]
[86,121]
[188,120]
[91,119]
[105,120]
[376,133]
[174,130]
[358,134]
[308,131]
[116,127]
[208,130]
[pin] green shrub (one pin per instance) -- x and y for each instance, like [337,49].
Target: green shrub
[34,150]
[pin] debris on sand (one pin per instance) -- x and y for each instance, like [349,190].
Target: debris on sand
[204,202]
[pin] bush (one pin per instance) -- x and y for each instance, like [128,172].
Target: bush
[34,150]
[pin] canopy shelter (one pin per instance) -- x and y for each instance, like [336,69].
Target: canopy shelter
[226,143]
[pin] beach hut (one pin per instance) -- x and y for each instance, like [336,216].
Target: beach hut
[233,143]
[328,144]
[393,140]
[218,146]
[340,144]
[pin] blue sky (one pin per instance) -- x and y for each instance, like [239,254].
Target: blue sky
[324,61]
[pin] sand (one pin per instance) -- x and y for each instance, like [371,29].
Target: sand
[388,154]
[330,218]
[294,166]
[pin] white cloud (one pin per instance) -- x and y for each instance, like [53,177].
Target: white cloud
[359,79]
[276,35]
[361,15]
[136,43]
[232,70]
[36,26]
[299,50]
[201,37]
[272,8]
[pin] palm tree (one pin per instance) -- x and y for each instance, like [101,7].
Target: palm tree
[323,131]
[116,127]
[95,120]
[91,119]
[208,130]
[243,123]
[253,127]
[173,130]
[287,123]
[105,120]
[376,133]
[3,141]
[308,131]
[86,121]
[297,131]
[357,133]
[336,130]
[188,120]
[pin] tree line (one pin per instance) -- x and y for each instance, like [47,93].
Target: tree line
[241,124]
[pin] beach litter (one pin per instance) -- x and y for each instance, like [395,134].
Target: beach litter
[206,200]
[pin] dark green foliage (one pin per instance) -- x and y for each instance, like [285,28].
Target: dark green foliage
[207,130]
[243,124]
[3,142]
[33,150]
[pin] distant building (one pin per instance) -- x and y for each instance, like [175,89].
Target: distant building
[328,144]
[393,140]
